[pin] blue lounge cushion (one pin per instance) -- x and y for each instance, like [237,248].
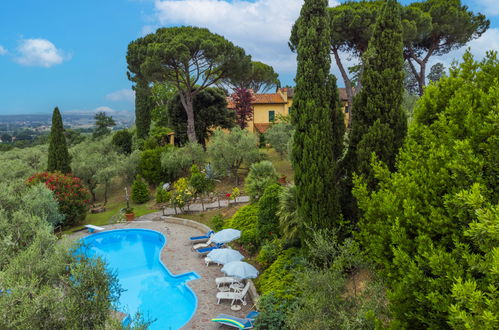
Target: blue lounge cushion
[211,248]
[208,234]
[233,321]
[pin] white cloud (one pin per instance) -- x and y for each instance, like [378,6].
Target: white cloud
[490,7]
[261,27]
[121,95]
[479,47]
[3,51]
[39,52]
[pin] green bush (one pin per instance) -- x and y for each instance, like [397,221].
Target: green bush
[268,221]
[150,166]
[162,196]
[261,175]
[140,192]
[217,222]
[178,161]
[281,276]
[245,220]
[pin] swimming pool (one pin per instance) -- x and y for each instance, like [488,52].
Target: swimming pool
[150,287]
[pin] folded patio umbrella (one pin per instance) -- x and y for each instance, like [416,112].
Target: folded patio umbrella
[240,269]
[226,235]
[224,256]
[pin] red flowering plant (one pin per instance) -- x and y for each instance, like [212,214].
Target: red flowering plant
[72,197]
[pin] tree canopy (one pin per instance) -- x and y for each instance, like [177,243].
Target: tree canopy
[190,58]
[260,78]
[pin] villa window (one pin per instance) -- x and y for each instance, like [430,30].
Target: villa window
[347,109]
[271,116]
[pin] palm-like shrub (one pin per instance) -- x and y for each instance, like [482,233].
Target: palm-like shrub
[261,175]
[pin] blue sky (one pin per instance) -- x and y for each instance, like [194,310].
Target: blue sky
[71,53]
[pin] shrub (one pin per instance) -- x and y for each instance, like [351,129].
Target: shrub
[261,175]
[245,220]
[281,276]
[122,140]
[217,222]
[140,191]
[181,194]
[268,221]
[72,197]
[162,196]
[272,313]
[150,165]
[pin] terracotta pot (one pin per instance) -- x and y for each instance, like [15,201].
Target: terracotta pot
[130,216]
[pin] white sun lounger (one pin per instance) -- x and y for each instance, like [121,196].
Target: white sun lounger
[201,245]
[226,281]
[92,228]
[238,294]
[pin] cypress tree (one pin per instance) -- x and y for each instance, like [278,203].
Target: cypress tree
[379,124]
[58,157]
[318,122]
[143,106]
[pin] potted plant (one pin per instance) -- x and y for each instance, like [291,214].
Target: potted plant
[129,214]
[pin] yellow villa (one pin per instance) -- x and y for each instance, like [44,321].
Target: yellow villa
[267,108]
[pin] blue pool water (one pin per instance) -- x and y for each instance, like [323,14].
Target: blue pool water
[134,254]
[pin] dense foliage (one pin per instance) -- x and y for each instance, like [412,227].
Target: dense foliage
[72,197]
[431,224]
[45,284]
[58,155]
[150,166]
[210,111]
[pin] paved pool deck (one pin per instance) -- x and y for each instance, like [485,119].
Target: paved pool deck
[178,256]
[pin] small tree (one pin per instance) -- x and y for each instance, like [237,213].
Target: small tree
[176,162]
[181,194]
[279,135]
[140,192]
[436,72]
[122,140]
[102,124]
[243,102]
[200,183]
[230,150]
[261,175]
[58,159]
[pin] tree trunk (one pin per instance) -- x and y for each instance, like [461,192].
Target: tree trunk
[347,81]
[105,194]
[187,101]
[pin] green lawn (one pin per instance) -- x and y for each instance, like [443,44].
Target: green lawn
[282,166]
[111,214]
